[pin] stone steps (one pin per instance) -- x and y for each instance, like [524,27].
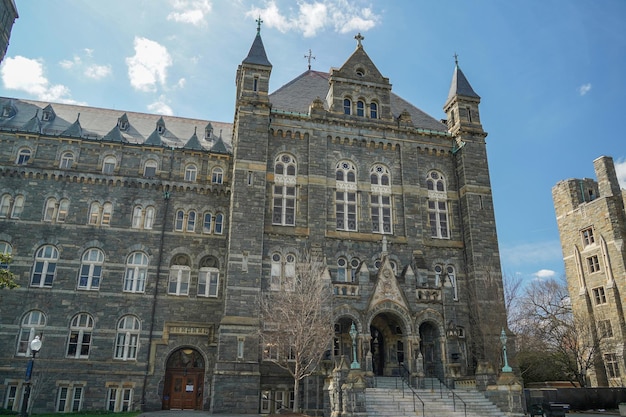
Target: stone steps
[388,401]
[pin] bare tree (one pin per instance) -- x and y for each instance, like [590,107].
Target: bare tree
[7,278]
[296,322]
[566,337]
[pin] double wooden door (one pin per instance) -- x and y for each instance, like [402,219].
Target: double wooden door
[183,390]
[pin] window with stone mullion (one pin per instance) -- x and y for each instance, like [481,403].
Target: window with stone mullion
[381,213]
[438,219]
[284,205]
[346,210]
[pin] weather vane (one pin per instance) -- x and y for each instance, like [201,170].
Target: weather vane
[456,59]
[309,57]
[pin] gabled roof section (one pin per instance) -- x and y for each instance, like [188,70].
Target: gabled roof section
[257,55]
[219,146]
[154,139]
[33,125]
[115,135]
[297,95]
[193,143]
[460,86]
[360,60]
[75,130]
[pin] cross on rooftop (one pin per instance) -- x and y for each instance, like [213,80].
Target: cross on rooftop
[258,27]
[359,38]
[309,57]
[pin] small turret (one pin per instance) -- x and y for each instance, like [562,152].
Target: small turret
[462,104]
[253,74]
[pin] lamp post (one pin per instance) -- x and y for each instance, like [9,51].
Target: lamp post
[506,367]
[35,345]
[355,363]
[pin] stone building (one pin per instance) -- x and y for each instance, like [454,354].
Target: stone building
[8,14]
[592,227]
[142,242]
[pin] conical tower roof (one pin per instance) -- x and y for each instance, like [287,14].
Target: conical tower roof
[257,55]
[460,86]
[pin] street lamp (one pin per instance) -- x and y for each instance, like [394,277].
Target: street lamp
[355,363]
[506,367]
[35,345]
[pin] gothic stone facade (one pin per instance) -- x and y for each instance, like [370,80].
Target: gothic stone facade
[592,226]
[141,244]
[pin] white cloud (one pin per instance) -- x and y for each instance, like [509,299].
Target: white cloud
[313,16]
[28,75]
[148,67]
[98,72]
[190,11]
[544,273]
[161,107]
[620,170]
[584,89]
[181,83]
[531,253]
[67,64]
[88,52]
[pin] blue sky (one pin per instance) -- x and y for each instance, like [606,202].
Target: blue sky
[551,74]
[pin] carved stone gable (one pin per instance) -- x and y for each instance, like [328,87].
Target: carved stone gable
[387,288]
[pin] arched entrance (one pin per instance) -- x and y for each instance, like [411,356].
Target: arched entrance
[184,380]
[388,338]
[431,350]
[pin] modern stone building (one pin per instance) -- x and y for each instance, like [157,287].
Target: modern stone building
[592,226]
[8,14]
[141,243]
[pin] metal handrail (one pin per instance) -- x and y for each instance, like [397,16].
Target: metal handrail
[404,376]
[454,397]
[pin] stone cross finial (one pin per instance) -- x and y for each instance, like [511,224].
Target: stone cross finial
[309,57]
[456,59]
[359,38]
[258,25]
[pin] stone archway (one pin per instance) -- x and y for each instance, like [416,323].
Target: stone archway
[184,380]
[387,343]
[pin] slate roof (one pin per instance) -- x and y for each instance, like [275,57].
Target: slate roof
[460,86]
[102,124]
[297,95]
[257,53]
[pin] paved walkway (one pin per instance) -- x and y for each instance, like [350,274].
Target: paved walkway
[190,413]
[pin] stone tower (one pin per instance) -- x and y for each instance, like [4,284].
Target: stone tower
[592,227]
[478,221]
[236,377]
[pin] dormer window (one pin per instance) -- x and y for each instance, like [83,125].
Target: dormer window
[123,124]
[47,114]
[6,111]
[208,131]
[160,129]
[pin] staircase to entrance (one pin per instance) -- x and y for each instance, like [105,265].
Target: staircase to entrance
[390,398]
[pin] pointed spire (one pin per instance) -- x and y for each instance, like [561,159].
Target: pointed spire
[115,135]
[33,125]
[460,86]
[257,53]
[219,146]
[154,139]
[193,142]
[75,130]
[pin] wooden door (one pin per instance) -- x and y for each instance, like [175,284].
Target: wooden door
[183,391]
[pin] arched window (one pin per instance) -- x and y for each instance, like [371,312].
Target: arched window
[45,266]
[191,172]
[452,280]
[360,108]
[150,168]
[179,276]
[180,221]
[437,206]
[347,106]
[373,111]
[49,210]
[94,213]
[191,221]
[5,205]
[148,220]
[218,227]
[91,270]
[209,277]
[346,196]
[64,206]
[380,199]
[207,223]
[79,342]
[18,207]
[283,272]
[107,212]
[137,219]
[5,249]
[108,165]
[284,191]
[217,176]
[23,156]
[100,214]
[342,269]
[67,159]
[32,324]
[127,338]
[136,272]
